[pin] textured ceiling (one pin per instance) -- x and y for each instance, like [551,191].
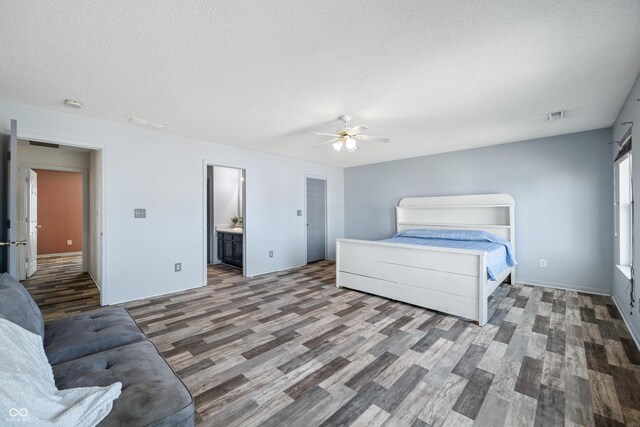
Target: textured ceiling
[434,76]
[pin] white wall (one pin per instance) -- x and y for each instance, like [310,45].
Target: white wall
[630,113]
[165,174]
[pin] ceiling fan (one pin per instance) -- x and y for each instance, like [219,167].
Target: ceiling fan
[346,139]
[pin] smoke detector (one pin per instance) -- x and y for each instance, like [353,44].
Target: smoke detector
[555,115]
[72,103]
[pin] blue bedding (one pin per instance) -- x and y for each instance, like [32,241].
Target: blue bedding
[499,252]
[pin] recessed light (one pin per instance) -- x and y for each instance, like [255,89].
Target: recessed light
[555,115]
[148,123]
[72,103]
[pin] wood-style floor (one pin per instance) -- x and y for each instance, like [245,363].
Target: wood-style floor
[290,349]
[60,288]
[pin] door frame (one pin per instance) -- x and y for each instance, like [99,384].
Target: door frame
[104,185]
[205,213]
[326,216]
[23,169]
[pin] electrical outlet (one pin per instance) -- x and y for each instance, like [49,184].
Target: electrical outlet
[299,212]
[270,254]
[139,213]
[178,267]
[543,263]
[69,242]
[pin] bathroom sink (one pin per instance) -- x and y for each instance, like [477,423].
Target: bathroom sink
[227,229]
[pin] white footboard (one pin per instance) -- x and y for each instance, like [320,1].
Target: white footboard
[448,280]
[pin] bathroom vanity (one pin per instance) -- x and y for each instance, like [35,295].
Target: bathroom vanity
[230,245]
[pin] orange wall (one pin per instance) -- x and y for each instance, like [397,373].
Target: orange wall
[59,211]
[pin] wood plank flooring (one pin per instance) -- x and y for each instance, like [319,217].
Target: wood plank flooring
[60,288]
[290,349]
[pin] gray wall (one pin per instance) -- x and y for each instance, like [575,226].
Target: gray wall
[562,187]
[630,113]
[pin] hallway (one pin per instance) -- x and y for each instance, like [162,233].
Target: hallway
[60,288]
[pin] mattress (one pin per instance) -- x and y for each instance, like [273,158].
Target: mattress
[499,253]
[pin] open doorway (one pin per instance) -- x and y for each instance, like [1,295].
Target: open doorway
[58,187]
[55,205]
[226,230]
[316,193]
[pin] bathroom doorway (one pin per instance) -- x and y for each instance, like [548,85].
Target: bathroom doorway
[226,222]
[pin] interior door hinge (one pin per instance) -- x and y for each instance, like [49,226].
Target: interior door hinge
[8,223]
[8,156]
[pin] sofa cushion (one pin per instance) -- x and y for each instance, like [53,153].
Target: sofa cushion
[152,394]
[17,306]
[88,333]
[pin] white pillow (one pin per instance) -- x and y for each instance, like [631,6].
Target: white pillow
[28,391]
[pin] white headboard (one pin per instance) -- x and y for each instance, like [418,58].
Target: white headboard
[489,212]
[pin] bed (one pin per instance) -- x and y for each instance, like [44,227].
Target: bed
[452,280]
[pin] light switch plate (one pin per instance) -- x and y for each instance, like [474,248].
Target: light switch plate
[299,213]
[139,213]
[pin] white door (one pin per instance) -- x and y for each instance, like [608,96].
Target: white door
[32,221]
[8,181]
[316,208]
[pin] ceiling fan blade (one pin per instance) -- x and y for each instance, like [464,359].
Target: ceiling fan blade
[373,138]
[357,130]
[331,141]
[324,133]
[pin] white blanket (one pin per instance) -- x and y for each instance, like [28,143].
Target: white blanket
[28,392]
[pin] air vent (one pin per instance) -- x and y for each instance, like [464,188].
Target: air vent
[147,123]
[555,115]
[44,144]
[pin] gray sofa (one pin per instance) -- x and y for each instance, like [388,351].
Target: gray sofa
[99,348]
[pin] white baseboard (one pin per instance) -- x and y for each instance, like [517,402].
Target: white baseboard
[286,268]
[96,281]
[261,273]
[627,321]
[59,254]
[564,286]
[276,271]
[117,302]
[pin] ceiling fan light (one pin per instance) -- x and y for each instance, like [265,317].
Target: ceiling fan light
[350,144]
[337,146]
